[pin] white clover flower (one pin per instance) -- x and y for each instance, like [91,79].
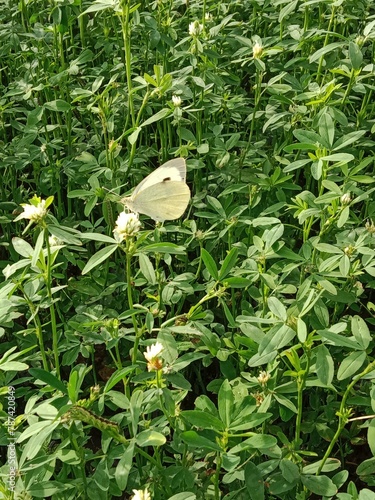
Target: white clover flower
[153,351]
[263,377]
[53,241]
[208,17]
[195,28]
[35,212]
[127,225]
[151,354]
[141,495]
[257,50]
[177,101]
[345,199]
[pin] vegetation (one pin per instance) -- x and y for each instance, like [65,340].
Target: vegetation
[225,355]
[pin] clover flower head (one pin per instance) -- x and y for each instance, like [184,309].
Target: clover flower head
[257,50]
[35,211]
[263,378]
[127,226]
[141,495]
[152,355]
[345,199]
[54,241]
[195,28]
[176,101]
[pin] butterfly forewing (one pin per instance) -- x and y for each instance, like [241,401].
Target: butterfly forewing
[173,170]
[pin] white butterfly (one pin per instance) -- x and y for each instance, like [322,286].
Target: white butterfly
[162,195]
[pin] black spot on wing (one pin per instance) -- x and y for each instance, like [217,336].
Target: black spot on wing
[166,179]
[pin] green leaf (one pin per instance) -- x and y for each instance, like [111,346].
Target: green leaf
[72,386]
[344,216]
[203,420]
[217,206]
[58,105]
[355,55]
[103,238]
[22,247]
[117,376]
[330,465]
[99,257]
[100,5]
[48,378]
[287,9]
[371,436]
[360,331]
[347,139]
[37,441]
[327,128]
[277,308]
[133,137]
[278,337]
[279,485]
[247,422]
[45,489]
[170,351]
[351,364]
[13,366]
[338,157]
[147,269]
[124,466]
[301,330]
[324,365]
[170,248]
[225,403]
[184,495]
[237,282]
[327,49]
[150,438]
[367,467]
[289,470]
[285,402]
[136,400]
[258,442]
[192,438]
[339,340]
[254,482]
[228,263]
[320,485]
[160,115]
[210,264]
[262,359]
[327,248]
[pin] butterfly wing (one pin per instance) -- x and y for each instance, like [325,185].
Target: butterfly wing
[162,201]
[172,170]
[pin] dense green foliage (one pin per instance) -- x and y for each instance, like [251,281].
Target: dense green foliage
[254,310]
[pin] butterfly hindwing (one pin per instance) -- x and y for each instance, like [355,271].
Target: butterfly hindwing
[163,201]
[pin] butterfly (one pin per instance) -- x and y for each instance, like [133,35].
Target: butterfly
[162,195]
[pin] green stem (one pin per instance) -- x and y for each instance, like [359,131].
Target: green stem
[343,414]
[333,14]
[38,329]
[125,21]
[129,288]
[55,336]
[301,382]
